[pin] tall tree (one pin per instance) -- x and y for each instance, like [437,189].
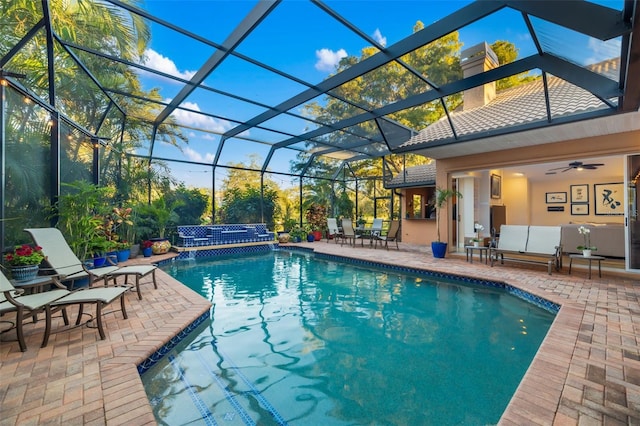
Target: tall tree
[105,28]
[438,63]
[243,201]
[507,53]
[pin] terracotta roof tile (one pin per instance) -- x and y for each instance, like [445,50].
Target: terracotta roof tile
[423,175]
[514,106]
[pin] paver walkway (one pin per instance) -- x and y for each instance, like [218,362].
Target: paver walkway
[587,371]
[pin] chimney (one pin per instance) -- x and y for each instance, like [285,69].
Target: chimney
[475,60]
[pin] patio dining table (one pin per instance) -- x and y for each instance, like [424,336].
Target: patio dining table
[365,232]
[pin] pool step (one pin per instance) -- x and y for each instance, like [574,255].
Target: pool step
[201,393]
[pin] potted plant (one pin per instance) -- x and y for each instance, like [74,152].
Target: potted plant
[310,233]
[316,216]
[147,248]
[97,247]
[476,240]
[24,262]
[586,248]
[124,227]
[153,220]
[124,250]
[441,198]
[297,233]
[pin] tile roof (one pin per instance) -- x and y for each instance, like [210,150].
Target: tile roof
[512,107]
[423,175]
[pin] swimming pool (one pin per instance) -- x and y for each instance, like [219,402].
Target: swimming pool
[298,339]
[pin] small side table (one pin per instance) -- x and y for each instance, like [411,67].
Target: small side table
[481,250]
[590,259]
[35,284]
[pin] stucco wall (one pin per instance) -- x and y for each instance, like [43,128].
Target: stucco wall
[419,231]
[517,199]
[540,215]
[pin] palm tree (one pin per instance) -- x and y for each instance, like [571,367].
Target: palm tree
[442,196]
[100,26]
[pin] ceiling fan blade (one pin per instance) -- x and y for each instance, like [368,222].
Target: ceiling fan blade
[568,168]
[589,167]
[592,165]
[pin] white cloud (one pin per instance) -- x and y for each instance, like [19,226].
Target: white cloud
[377,36]
[197,157]
[602,50]
[199,121]
[156,61]
[328,59]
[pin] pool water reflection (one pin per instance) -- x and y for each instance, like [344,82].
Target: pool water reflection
[294,339]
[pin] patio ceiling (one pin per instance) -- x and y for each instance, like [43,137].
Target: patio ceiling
[565,40]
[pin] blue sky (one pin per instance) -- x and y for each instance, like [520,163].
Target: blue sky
[303,41]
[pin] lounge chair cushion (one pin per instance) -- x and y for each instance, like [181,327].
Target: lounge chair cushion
[544,239]
[513,237]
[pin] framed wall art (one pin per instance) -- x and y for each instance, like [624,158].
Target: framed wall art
[580,193]
[609,198]
[496,186]
[556,197]
[580,209]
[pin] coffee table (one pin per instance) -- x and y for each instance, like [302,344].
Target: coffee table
[481,249]
[588,258]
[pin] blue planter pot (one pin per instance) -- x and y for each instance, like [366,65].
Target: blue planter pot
[24,273]
[123,255]
[439,249]
[147,252]
[99,261]
[311,238]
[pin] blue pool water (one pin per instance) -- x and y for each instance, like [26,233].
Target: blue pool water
[298,340]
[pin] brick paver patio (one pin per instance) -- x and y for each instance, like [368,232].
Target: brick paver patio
[587,371]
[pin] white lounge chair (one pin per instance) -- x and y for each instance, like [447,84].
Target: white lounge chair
[66,264]
[376,228]
[333,229]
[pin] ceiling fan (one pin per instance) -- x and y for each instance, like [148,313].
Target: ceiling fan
[578,165]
